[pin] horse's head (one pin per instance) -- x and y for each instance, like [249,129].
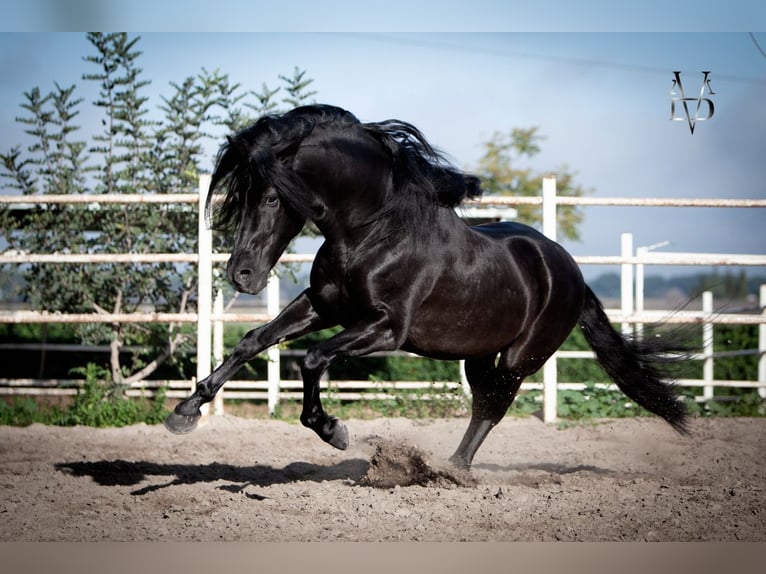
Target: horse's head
[253,206]
[265,228]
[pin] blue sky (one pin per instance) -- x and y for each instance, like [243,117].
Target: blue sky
[600,99]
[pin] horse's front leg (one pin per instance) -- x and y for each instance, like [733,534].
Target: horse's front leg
[353,342]
[297,319]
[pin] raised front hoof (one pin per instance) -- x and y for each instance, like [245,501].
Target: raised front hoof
[329,429]
[338,435]
[181,424]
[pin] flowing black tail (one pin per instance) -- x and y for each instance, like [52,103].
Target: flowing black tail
[634,365]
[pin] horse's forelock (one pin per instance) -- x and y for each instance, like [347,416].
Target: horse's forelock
[228,177]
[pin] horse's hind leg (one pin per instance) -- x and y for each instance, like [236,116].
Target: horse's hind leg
[495,386]
[493,389]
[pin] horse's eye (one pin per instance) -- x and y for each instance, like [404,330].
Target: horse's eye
[271,200]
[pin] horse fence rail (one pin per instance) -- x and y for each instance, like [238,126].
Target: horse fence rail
[210,317]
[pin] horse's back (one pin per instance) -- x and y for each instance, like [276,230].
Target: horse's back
[501,229]
[525,241]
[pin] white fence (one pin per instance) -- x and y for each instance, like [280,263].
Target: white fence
[211,317]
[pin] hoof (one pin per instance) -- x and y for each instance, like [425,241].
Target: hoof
[459,462]
[338,435]
[181,424]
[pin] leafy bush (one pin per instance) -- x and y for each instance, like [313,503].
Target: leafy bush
[99,403]
[594,401]
[737,403]
[24,411]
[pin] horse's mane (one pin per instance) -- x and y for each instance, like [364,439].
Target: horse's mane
[254,158]
[421,169]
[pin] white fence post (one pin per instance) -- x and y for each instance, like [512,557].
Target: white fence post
[626,281]
[550,375]
[204,289]
[549,207]
[762,343]
[707,345]
[273,365]
[464,380]
[218,347]
[640,290]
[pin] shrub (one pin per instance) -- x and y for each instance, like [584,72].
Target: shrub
[99,403]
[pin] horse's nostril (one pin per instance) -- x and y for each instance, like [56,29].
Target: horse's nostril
[242,278]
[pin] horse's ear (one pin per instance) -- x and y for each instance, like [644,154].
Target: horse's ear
[238,144]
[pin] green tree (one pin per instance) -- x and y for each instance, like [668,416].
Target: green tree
[131,155]
[297,88]
[502,173]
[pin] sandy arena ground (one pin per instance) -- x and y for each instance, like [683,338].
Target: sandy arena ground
[239,479]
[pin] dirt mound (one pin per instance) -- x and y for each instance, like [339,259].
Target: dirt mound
[401,464]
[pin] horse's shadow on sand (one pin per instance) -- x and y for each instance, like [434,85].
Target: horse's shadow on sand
[127,473]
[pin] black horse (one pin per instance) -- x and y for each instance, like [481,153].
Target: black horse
[400,270]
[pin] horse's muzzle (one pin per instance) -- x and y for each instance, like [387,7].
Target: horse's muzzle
[244,278]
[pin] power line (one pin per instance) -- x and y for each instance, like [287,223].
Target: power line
[546,57]
[757,45]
